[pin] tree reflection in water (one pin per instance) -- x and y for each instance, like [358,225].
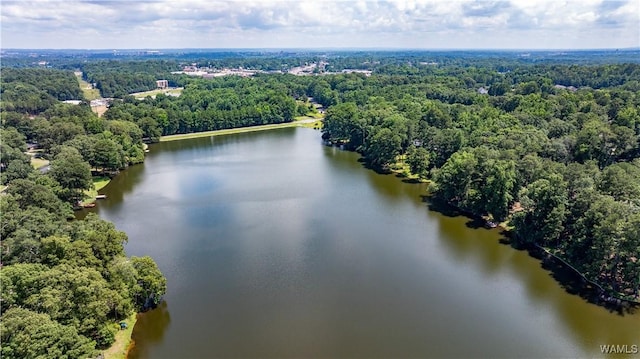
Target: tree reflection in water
[150,328]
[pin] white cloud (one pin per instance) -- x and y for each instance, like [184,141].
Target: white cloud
[340,23]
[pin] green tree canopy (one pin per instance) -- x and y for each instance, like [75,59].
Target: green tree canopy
[73,174]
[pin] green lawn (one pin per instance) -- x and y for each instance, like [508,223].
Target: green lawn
[89,93]
[119,348]
[228,131]
[38,162]
[316,124]
[317,115]
[314,113]
[402,168]
[98,184]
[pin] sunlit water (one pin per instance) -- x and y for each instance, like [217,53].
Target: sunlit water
[274,245]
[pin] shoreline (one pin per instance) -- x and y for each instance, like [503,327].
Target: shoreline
[99,182]
[229,131]
[123,340]
[400,169]
[531,248]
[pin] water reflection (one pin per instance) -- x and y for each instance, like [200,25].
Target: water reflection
[277,246]
[152,326]
[588,324]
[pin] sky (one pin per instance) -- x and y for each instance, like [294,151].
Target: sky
[401,24]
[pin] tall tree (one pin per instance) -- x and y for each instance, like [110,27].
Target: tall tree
[108,155]
[383,148]
[544,205]
[418,159]
[73,174]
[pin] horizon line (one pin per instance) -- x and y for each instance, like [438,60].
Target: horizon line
[326,48]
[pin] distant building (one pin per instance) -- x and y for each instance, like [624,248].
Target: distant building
[483,91]
[354,71]
[562,87]
[72,102]
[162,84]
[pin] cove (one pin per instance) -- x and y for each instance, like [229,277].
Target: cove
[274,245]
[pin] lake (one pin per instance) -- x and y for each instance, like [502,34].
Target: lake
[275,245]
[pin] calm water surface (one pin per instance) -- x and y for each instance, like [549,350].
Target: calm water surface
[274,245]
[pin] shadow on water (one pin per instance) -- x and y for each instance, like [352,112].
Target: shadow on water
[408,180]
[442,207]
[149,329]
[585,317]
[574,284]
[368,166]
[123,183]
[569,280]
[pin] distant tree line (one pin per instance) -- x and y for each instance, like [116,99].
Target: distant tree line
[34,90]
[120,78]
[211,104]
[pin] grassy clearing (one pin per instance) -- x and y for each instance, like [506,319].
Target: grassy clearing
[316,124]
[313,119]
[89,92]
[400,167]
[306,118]
[315,113]
[99,110]
[120,347]
[228,131]
[38,162]
[98,184]
[153,93]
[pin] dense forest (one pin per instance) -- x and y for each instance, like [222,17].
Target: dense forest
[560,165]
[212,104]
[117,79]
[35,90]
[548,146]
[65,283]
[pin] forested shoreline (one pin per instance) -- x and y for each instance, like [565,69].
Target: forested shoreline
[559,164]
[551,150]
[65,283]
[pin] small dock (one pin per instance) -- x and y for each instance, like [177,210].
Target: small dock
[101,196]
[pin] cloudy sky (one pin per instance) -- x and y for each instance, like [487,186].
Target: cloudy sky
[426,24]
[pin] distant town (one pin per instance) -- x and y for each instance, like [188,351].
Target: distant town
[314,68]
